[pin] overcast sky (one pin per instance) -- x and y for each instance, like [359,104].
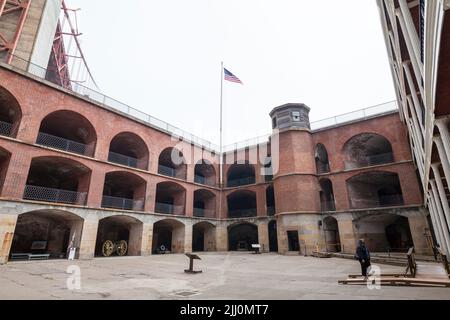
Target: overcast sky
[163,57]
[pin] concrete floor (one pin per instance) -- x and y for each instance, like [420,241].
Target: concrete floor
[225,276]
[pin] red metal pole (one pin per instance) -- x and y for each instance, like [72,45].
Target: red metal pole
[2,6]
[25,8]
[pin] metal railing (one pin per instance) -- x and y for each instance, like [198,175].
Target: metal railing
[355,115]
[126,160]
[368,161]
[122,203]
[422,30]
[361,114]
[327,206]
[76,87]
[59,143]
[391,200]
[205,181]
[167,208]
[201,213]
[171,172]
[37,193]
[6,129]
[242,213]
[40,72]
[241,182]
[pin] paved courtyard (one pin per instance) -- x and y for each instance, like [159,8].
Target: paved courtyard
[225,276]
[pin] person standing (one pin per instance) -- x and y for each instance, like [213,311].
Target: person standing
[363,256]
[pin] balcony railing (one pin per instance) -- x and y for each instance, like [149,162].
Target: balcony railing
[37,193]
[327,206]
[241,182]
[242,213]
[167,171]
[201,213]
[52,141]
[271,211]
[368,161]
[205,181]
[122,203]
[391,200]
[5,129]
[422,30]
[126,160]
[167,208]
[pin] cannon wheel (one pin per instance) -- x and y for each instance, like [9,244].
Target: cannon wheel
[121,248]
[108,248]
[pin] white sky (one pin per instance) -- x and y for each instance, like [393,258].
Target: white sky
[163,57]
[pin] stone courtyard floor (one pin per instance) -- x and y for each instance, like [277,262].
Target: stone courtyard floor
[225,276]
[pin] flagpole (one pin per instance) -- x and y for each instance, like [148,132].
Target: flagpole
[221,124]
[221,140]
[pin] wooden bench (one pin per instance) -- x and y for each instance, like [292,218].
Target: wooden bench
[29,256]
[256,248]
[20,256]
[444,260]
[39,257]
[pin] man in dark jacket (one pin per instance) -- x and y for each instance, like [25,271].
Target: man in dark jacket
[363,255]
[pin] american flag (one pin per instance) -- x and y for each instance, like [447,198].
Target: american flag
[231,77]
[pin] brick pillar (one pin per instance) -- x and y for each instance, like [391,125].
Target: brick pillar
[7,227]
[96,187]
[261,207]
[309,234]
[147,239]
[418,225]
[88,239]
[340,193]
[188,238]
[283,246]
[189,203]
[16,176]
[263,236]
[150,197]
[221,238]
[347,235]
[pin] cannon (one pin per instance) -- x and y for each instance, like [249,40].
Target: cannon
[120,248]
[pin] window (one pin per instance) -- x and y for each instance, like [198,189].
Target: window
[296,116]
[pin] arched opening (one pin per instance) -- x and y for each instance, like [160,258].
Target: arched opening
[5,157]
[387,232]
[242,236]
[270,201]
[331,234]
[367,149]
[69,131]
[374,190]
[242,204]
[205,173]
[170,198]
[124,191]
[119,236]
[204,204]
[130,150]
[10,114]
[45,234]
[240,175]
[60,180]
[172,164]
[326,195]
[168,237]
[268,169]
[322,161]
[273,236]
[203,237]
